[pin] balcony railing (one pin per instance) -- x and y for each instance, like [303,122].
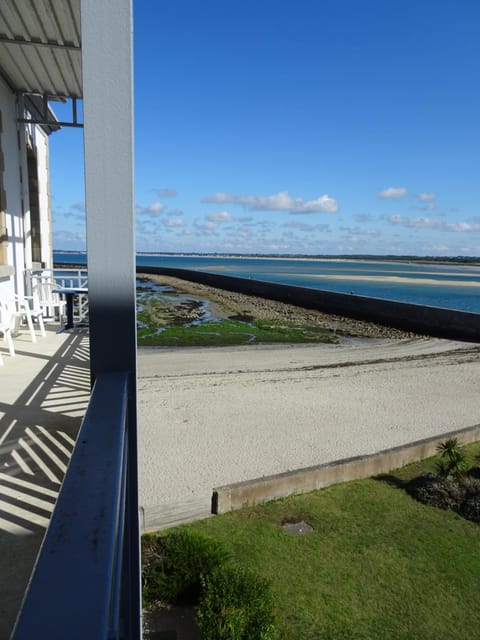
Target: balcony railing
[69,278]
[65,279]
[86,583]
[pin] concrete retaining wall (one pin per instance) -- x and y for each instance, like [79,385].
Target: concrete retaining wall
[241,494]
[433,321]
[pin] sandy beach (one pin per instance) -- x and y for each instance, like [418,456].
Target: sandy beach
[211,416]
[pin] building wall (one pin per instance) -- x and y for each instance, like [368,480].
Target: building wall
[15,223]
[43,169]
[13,255]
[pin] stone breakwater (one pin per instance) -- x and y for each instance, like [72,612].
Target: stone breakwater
[231,304]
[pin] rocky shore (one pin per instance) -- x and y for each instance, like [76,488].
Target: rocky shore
[228,304]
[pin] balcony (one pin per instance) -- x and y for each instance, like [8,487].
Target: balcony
[45,393]
[89,561]
[50,420]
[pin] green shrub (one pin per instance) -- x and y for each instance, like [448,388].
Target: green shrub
[174,566]
[235,605]
[454,460]
[460,493]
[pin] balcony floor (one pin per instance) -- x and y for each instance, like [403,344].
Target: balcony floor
[44,392]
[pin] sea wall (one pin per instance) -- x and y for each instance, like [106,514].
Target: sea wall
[240,494]
[424,320]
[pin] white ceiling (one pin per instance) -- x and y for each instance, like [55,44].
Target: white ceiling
[40,46]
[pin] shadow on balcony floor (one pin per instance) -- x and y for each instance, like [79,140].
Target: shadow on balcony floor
[44,394]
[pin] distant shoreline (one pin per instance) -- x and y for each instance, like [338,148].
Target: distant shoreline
[442,260]
[354,278]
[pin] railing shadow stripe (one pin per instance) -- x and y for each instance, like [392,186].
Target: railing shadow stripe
[66,437]
[32,462]
[48,451]
[21,463]
[39,462]
[26,515]
[6,492]
[85,536]
[48,436]
[28,485]
[13,528]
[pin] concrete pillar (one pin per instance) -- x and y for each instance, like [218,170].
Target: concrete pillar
[108,133]
[107,59]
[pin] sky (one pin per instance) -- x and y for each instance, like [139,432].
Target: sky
[298,127]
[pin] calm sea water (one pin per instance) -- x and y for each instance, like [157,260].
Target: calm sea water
[449,286]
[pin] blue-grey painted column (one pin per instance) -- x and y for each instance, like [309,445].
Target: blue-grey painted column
[107,59]
[108,130]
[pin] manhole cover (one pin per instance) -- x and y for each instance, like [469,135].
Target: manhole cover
[297,528]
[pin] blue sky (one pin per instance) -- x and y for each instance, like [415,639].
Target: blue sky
[298,126]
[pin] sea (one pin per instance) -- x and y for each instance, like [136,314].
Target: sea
[451,286]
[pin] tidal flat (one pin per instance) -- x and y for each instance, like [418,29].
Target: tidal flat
[173,312]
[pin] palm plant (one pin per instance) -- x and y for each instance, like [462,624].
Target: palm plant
[454,460]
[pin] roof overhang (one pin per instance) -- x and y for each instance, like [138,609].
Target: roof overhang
[40,47]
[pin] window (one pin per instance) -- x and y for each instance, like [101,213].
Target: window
[34,204]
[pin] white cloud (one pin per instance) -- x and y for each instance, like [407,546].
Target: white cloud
[165,193]
[323,204]
[414,223]
[243,232]
[393,192]
[205,229]
[363,217]
[353,232]
[80,217]
[427,200]
[175,212]
[153,209]
[79,206]
[281,201]
[173,224]
[63,239]
[426,197]
[302,226]
[220,216]
[434,223]
[461,226]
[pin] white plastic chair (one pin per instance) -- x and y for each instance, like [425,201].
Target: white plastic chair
[5,330]
[24,309]
[50,303]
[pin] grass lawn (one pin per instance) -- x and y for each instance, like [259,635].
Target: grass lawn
[378,565]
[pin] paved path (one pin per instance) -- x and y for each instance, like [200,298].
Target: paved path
[208,417]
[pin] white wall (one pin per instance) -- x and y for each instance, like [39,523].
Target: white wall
[43,167]
[12,186]
[15,177]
